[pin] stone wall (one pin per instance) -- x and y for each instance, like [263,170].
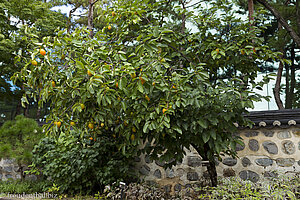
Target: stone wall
[10,170]
[266,153]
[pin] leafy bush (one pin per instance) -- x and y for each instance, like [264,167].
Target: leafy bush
[283,187]
[81,165]
[17,139]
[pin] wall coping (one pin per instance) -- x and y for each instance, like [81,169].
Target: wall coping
[285,118]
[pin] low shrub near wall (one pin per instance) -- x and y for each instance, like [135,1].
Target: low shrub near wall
[82,165]
[283,187]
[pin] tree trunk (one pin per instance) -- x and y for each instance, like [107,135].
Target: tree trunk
[276,90]
[251,9]
[211,167]
[290,99]
[282,21]
[70,18]
[298,15]
[91,18]
[287,86]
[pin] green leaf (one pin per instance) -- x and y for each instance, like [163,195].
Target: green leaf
[203,123]
[177,129]
[205,137]
[146,127]
[140,86]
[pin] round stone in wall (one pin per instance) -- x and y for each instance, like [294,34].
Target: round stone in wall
[251,133]
[170,173]
[229,161]
[144,170]
[192,176]
[147,159]
[179,172]
[249,175]
[268,133]
[270,147]
[285,162]
[288,147]
[253,145]
[194,161]
[159,163]
[299,162]
[284,135]
[228,172]
[8,176]
[240,147]
[7,169]
[246,162]
[157,173]
[269,174]
[264,162]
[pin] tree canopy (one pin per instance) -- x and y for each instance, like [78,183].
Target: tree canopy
[145,78]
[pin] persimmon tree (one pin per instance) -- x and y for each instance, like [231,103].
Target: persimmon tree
[148,79]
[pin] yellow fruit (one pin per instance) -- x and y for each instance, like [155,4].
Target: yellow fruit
[153,83]
[132,137]
[217,50]
[114,135]
[34,63]
[113,13]
[133,75]
[102,124]
[162,60]
[170,107]
[142,80]
[55,122]
[58,124]
[243,52]
[147,98]
[164,110]
[190,40]
[91,138]
[42,52]
[53,83]
[254,50]
[91,125]
[117,85]
[109,27]
[89,73]
[63,57]
[82,106]
[72,123]
[133,129]
[119,98]
[174,87]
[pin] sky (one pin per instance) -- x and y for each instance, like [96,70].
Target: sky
[267,89]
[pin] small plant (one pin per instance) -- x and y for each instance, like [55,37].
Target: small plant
[25,186]
[17,139]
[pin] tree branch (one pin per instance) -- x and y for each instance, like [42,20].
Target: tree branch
[282,21]
[298,15]
[180,53]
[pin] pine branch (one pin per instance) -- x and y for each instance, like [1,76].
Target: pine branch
[282,21]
